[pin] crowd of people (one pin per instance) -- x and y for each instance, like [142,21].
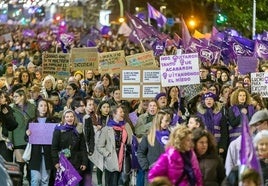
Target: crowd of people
[179,141]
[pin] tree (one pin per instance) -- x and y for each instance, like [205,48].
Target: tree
[240,15]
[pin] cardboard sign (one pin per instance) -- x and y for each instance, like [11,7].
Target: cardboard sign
[179,69]
[140,83]
[56,64]
[145,59]
[41,133]
[259,83]
[84,58]
[111,61]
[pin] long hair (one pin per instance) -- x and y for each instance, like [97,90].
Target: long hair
[198,133]
[48,110]
[234,96]
[156,126]
[176,137]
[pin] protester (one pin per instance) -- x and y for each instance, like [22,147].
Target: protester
[68,138]
[178,163]
[211,165]
[153,145]
[112,144]
[40,162]
[195,122]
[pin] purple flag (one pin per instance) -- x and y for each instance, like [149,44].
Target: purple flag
[248,43]
[208,54]
[261,49]
[158,47]
[177,40]
[248,157]
[185,34]
[142,30]
[155,14]
[134,147]
[67,175]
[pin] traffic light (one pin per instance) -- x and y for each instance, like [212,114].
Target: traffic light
[221,18]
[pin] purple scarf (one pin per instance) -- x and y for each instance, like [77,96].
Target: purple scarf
[162,136]
[209,122]
[112,123]
[67,127]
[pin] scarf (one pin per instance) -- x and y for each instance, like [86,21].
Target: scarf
[162,136]
[209,122]
[123,143]
[67,127]
[149,118]
[188,168]
[112,123]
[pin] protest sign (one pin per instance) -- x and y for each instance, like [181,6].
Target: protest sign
[247,64]
[84,58]
[259,83]
[41,133]
[145,59]
[56,64]
[179,69]
[140,83]
[190,91]
[111,61]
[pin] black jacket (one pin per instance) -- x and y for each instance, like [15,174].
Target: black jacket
[75,142]
[7,120]
[89,135]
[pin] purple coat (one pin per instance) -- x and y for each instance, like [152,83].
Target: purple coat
[170,164]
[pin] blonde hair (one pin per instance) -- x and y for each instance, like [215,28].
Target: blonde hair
[156,125]
[68,111]
[234,96]
[176,137]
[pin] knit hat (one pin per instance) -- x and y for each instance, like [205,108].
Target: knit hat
[261,115]
[157,97]
[79,72]
[209,95]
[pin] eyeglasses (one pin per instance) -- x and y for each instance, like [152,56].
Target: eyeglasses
[16,96]
[68,88]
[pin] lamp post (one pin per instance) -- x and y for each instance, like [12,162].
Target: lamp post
[254,19]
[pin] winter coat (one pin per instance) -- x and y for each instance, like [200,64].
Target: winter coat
[106,146]
[171,165]
[148,154]
[89,134]
[69,140]
[212,169]
[23,118]
[38,151]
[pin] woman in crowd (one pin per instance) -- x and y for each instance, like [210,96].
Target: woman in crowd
[48,85]
[40,163]
[69,139]
[72,90]
[257,101]
[195,122]
[240,104]
[210,163]
[7,123]
[107,83]
[144,122]
[178,163]
[103,117]
[24,112]
[261,144]
[176,103]
[210,111]
[153,145]
[112,144]
[24,78]
[115,99]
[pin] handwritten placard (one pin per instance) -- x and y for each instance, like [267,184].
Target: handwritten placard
[111,61]
[145,59]
[179,69]
[259,83]
[56,64]
[41,134]
[84,58]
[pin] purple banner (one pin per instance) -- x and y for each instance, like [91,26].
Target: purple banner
[41,133]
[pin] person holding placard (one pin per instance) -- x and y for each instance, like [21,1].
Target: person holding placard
[40,163]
